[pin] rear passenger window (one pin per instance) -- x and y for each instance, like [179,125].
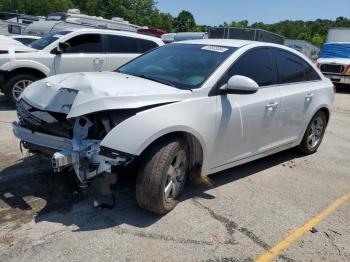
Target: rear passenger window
[88,43]
[122,44]
[310,73]
[293,69]
[146,45]
[257,65]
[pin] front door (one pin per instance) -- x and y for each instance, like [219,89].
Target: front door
[84,54]
[248,124]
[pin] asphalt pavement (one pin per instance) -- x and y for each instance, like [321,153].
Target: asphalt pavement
[237,215]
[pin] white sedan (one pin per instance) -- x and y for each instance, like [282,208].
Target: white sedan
[200,104]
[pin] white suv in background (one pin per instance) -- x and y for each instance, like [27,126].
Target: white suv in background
[70,50]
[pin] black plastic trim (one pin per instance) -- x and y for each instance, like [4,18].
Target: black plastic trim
[113,154]
[237,92]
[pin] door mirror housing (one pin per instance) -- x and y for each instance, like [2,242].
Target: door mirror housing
[62,47]
[238,84]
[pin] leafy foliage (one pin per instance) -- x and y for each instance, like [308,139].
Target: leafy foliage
[36,7]
[185,22]
[144,12]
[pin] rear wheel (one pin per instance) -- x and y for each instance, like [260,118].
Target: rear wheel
[162,176]
[16,85]
[314,134]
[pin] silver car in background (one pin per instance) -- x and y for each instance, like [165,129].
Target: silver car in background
[207,105]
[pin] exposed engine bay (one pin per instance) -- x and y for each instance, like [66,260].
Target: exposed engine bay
[71,143]
[68,117]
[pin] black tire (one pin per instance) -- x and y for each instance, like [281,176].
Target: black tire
[11,82]
[307,146]
[153,175]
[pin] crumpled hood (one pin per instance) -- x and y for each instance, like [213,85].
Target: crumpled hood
[82,93]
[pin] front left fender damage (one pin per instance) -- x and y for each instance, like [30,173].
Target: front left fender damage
[71,143]
[81,109]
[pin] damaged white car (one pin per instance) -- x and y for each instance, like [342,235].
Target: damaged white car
[207,104]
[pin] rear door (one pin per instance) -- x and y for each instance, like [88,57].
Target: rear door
[298,82]
[85,54]
[248,121]
[122,49]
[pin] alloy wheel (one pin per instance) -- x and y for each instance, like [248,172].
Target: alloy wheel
[315,133]
[175,176]
[19,87]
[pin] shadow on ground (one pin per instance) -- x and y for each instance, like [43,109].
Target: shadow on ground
[4,103]
[48,197]
[344,89]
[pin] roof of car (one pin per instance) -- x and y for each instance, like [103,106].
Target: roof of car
[219,42]
[115,32]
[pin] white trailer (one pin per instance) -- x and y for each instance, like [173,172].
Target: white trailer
[341,34]
[74,19]
[305,47]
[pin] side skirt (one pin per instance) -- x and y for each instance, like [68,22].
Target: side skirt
[252,158]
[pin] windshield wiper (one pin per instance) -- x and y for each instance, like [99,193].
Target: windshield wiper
[157,80]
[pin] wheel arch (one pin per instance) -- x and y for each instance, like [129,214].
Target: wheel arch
[326,111]
[195,146]
[27,66]
[324,108]
[25,70]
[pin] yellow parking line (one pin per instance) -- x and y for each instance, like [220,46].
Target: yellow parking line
[299,232]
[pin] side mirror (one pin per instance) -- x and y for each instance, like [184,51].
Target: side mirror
[62,47]
[240,85]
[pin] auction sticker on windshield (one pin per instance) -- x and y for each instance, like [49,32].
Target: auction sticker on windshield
[213,48]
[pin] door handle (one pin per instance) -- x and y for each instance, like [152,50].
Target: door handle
[272,106]
[98,60]
[309,97]
[98,64]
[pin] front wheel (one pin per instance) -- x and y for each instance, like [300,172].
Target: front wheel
[162,176]
[16,85]
[314,134]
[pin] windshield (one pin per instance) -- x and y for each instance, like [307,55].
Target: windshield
[48,39]
[184,66]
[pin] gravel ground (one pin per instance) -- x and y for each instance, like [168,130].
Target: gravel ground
[235,215]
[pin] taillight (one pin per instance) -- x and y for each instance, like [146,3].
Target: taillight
[318,65]
[334,88]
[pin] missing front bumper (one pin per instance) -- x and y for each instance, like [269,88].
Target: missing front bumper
[86,157]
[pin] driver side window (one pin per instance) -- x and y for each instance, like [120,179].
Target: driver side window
[88,43]
[257,64]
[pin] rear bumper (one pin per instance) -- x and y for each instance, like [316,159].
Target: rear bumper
[336,78]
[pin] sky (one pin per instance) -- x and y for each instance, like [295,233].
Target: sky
[215,12]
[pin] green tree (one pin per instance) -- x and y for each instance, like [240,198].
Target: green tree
[166,22]
[11,5]
[36,7]
[241,24]
[318,40]
[185,22]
